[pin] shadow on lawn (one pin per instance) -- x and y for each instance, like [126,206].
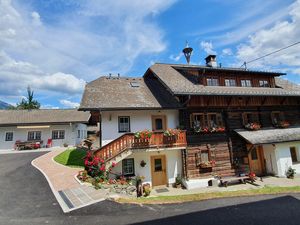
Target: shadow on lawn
[76,158]
[277,211]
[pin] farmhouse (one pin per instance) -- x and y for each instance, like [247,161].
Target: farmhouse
[42,127]
[230,121]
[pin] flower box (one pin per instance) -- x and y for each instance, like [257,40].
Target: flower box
[283,124]
[253,126]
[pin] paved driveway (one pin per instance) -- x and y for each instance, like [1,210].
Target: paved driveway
[25,198]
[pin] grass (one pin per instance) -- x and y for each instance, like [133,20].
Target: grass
[72,157]
[205,196]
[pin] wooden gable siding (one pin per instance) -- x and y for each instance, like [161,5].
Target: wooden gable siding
[202,75]
[219,153]
[228,101]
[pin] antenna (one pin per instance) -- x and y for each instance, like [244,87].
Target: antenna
[187,51]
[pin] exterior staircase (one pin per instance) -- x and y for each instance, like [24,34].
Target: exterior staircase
[124,146]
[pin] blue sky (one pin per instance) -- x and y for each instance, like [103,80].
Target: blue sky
[56,46]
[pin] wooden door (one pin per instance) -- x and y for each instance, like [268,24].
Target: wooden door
[158,170]
[256,160]
[159,123]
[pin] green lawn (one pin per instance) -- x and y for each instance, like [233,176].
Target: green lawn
[71,157]
[205,196]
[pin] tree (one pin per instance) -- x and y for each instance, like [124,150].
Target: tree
[29,102]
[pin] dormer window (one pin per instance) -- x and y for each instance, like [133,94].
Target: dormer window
[263,83]
[230,82]
[246,83]
[212,82]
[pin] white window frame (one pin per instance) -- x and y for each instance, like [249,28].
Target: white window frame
[124,127]
[128,169]
[34,135]
[263,83]
[230,82]
[212,81]
[59,136]
[246,83]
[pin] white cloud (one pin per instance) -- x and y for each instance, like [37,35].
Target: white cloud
[15,76]
[207,47]
[176,58]
[69,104]
[282,34]
[227,51]
[89,39]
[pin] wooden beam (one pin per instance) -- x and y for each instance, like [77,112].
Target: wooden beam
[264,100]
[208,100]
[229,101]
[282,101]
[247,101]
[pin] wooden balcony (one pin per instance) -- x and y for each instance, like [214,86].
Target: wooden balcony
[129,142]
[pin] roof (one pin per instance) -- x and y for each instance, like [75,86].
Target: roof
[178,84]
[122,93]
[269,136]
[42,116]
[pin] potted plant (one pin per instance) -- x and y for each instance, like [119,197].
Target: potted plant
[207,164]
[146,189]
[253,126]
[290,173]
[178,182]
[142,138]
[143,163]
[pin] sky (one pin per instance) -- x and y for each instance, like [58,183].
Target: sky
[56,46]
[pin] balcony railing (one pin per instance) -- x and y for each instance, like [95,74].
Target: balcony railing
[129,141]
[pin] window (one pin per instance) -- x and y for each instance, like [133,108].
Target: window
[124,124]
[159,123]
[212,82]
[58,134]
[214,120]
[277,117]
[230,82]
[294,154]
[202,157]
[201,120]
[78,133]
[197,121]
[246,83]
[254,154]
[34,135]
[250,118]
[263,83]
[128,167]
[9,136]
[157,165]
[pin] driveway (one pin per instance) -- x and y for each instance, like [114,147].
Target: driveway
[25,198]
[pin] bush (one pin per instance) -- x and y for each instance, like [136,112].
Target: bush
[290,173]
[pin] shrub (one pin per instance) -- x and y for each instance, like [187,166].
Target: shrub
[290,173]
[96,167]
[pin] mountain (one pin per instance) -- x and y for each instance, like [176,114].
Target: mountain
[4,105]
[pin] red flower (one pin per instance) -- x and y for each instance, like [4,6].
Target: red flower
[102,168]
[113,164]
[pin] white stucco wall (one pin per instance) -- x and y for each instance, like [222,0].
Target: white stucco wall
[283,157]
[173,161]
[139,120]
[46,133]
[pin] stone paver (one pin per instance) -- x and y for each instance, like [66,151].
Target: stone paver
[62,178]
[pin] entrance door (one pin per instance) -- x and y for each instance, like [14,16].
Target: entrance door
[158,170]
[256,160]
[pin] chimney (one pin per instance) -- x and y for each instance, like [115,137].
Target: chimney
[211,61]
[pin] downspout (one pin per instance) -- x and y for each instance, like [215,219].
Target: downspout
[100,128]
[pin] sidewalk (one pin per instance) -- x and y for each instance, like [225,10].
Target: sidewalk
[69,193]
